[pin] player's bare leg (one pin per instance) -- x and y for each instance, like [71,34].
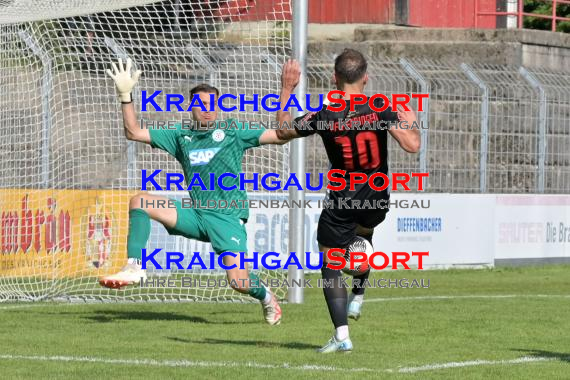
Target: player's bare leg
[356,297]
[336,299]
[247,282]
[141,210]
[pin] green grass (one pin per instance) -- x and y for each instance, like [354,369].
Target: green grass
[392,334]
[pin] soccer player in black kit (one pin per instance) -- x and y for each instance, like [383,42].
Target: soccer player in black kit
[361,150]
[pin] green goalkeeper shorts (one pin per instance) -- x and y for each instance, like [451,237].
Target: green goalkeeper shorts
[226,232]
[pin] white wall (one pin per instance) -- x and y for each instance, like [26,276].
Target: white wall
[476,229]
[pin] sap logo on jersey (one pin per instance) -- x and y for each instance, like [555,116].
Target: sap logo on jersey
[202,156]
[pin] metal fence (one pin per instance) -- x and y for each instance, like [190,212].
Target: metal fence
[490,129]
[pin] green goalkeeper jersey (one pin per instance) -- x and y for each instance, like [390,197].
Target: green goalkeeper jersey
[218,150]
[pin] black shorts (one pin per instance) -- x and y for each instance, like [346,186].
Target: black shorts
[337,228]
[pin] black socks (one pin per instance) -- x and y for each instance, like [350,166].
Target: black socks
[357,281]
[335,296]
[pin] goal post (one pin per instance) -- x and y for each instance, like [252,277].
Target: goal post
[66,170]
[297,157]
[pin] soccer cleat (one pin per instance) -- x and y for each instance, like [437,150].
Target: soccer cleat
[336,346]
[129,275]
[272,311]
[354,306]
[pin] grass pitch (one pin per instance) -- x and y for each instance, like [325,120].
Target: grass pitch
[470,324]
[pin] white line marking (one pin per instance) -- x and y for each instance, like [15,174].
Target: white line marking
[472,363]
[483,296]
[183,363]
[23,306]
[287,366]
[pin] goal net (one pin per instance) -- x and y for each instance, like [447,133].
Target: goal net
[66,170]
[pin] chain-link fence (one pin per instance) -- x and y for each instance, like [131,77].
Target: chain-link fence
[489,129]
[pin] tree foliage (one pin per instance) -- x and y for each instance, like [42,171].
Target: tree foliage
[545,8]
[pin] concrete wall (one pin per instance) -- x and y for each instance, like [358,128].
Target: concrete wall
[530,48]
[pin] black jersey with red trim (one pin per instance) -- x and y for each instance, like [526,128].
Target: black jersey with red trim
[355,141]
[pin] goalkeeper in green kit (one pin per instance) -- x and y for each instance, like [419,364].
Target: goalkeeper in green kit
[202,150]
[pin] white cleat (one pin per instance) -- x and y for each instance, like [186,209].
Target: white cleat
[131,274]
[354,307]
[272,311]
[335,345]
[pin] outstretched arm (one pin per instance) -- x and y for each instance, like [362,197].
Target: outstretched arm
[289,79]
[124,83]
[409,139]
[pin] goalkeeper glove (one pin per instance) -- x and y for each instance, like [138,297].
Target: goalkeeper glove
[124,82]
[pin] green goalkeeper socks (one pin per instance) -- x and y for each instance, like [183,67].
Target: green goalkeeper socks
[139,231]
[256,289]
